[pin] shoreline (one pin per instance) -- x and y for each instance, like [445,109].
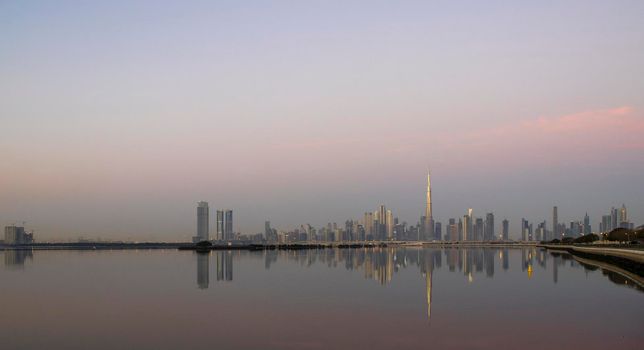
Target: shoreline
[631,260]
[258,246]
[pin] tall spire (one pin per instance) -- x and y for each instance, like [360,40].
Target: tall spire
[429,220]
[428,208]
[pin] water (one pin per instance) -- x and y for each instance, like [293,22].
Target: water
[329,299]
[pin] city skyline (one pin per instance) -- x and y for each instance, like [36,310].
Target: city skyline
[383,225]
[223,223]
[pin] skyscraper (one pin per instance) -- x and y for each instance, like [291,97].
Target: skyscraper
[429,219]
[555,223]
[478,229]
[267,229]
[16,235]
[380,223]
[623,215]
[452,230]
[587,228]
[489,227]
[606,224]
[202,222]
[228,224]
[613,218]
[506,229]
[467,228]
[389,222]
[368,225]
[524,228]
[225,224]
[220,225]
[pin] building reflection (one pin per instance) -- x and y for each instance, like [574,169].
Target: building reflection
[17,258]
[203,271]
[223,267]
[381,264]
[430,258]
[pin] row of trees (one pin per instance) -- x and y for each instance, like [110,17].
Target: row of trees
[616,235]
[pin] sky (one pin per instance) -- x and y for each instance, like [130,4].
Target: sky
[117,117]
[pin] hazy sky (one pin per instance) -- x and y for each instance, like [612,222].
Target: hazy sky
[116,117]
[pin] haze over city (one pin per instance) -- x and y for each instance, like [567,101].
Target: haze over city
[118,117]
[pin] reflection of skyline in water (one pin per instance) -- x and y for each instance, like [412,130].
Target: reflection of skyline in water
[381,264]
[223,268]
[17,258]
[203,270]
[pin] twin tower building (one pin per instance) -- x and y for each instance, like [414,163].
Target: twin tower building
[224,224]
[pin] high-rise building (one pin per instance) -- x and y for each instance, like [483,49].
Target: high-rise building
[429,219]
[555,224]
[524,229]
[613,218]
[225,225]
[506,229]
[368,225]
[623,217]
[478,231]
[267,230]
[380,222]
[389,222]
[541,231]
[606,224]
[228,225]
[489,233]
[467,228]
[587,228]
[16,235]
[202,222]
[220,225]
[452,230]
[438,231]
[470,224]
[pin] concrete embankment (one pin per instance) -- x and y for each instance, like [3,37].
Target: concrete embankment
[631,260]
[635,279]
[624,253]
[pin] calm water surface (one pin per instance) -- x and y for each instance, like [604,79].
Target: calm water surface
[329,299]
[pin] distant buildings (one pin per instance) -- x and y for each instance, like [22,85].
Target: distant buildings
[506,229]
[228,225]
[16,235]
[428,218]
[202,222]
[452,230]
[587,228]
[381,225]
[555,224]
[615,218]
[467,226]
[488,234]
[225,225]
[526,230]
[269,233]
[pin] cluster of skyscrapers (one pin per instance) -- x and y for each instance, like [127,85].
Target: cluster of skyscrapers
[17,235]
[224,224]
[617,217]
[382,225]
